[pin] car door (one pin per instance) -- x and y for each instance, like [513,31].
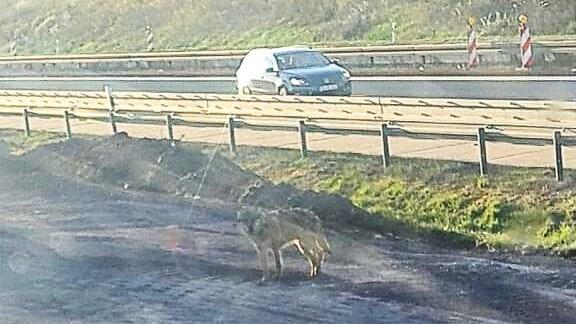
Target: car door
[270,75]
[257,74]
[264,75]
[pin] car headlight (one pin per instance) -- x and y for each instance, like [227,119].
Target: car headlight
[297,82]
[346,74]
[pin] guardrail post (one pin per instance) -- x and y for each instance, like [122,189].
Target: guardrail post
[170,124]
[113,123]
[27,122]
[111,108]
[386,161]
[483,155]
[232,134]
[68,127]
[303,142]
[559,157]
[111,103]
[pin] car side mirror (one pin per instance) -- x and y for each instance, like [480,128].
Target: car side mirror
[270,70]
[336,61]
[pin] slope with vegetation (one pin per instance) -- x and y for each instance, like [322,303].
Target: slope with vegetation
[514,208]
[68,26]
[442,202]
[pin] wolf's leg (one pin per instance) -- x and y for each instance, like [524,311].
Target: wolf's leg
[308,255]
[261,262]
[319,255]
[278,262]
[265,262]
[315,263]
[312,264]
[322,247]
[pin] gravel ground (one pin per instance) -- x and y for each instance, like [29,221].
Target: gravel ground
[73,251]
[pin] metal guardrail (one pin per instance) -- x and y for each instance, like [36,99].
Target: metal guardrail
[539,122]
[552,45]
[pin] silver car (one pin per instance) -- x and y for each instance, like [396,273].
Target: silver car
[291,71]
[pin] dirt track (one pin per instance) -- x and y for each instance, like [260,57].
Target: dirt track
[89,251]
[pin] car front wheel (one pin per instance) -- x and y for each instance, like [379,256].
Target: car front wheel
[282,91]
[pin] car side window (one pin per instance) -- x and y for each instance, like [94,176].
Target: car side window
[268,63]
[258,63]
[261,62]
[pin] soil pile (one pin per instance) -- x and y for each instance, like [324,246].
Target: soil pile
[186,171]
[143,165]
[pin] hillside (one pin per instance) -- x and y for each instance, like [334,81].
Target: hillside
[68,26]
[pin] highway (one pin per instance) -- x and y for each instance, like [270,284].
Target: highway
[513,88]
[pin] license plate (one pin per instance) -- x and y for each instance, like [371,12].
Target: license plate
[328,87]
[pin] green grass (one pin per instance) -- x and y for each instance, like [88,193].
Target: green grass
[70,26]
[20,144]
[514,208]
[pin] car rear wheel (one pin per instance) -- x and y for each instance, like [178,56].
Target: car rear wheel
[246,91]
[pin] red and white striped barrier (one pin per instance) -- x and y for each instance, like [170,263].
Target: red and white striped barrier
[472,48]
[527,56]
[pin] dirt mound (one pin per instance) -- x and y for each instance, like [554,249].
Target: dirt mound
[144,165]
[155,166]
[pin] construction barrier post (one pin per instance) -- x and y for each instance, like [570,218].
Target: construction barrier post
[558,156]
[303,143]
[472,44]
[386,160]
[527,56]
[149,38]
[483,154]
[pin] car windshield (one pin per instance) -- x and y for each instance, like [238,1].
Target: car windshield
[298,60]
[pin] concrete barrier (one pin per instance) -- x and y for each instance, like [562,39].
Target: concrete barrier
[397,60]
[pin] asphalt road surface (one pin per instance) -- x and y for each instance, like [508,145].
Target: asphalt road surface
[517,88]
[78,252]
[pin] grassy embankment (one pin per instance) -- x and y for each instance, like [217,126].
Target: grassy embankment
[515,208]
[71,26]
